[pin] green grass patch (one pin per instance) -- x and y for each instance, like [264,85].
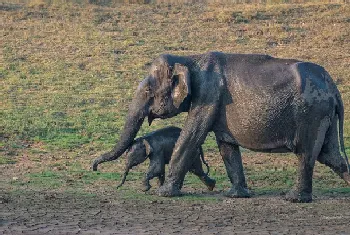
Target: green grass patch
[271,177]
[7,160]
[334,191]
[66,141]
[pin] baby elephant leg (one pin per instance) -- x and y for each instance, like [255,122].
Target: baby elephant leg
[161,179]
[156,169]
[197,169]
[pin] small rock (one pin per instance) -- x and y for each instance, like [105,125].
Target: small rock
[228,201]
[104,201]
[3,200]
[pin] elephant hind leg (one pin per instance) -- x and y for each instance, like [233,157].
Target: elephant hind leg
[330,155]
[302,191]
[308,148]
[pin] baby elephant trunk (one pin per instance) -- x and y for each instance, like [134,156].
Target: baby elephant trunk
[124,177]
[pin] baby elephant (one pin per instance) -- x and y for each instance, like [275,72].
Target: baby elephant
[158,147]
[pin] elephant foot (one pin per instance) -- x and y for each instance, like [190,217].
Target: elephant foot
[210,183]
[146,187]
[237,192]
[295,197]
[169,190]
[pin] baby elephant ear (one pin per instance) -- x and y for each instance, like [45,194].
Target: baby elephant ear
[148,147]
[180,84]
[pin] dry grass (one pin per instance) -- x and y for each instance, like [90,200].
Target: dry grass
[69,71]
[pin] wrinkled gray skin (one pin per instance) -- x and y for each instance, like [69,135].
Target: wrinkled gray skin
[158,147]
[258,102]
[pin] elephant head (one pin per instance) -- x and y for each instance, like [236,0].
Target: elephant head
[164,93]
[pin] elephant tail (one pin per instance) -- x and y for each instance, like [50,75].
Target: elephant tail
[340,112]
[203,160]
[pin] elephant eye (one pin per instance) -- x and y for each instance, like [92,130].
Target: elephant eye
[149,92]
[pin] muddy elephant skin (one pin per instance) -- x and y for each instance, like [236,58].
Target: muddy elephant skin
[158,147]
[258,102]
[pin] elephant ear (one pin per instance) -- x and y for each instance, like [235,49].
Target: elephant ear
[148,147]
[180,84]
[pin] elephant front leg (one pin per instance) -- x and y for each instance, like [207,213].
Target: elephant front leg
[193,134]
[151,173]
[146,184]
[176,175]
[234,167]
[156,169]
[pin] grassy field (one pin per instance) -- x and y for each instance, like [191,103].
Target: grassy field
[68,72]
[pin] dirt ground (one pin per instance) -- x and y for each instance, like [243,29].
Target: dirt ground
[54,213]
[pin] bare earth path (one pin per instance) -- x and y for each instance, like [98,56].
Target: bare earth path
[54,213]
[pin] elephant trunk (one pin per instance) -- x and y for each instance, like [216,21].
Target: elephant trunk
[136,115]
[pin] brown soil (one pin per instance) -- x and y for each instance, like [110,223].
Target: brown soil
[54,213]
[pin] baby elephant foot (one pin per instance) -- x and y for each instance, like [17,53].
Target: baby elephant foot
[169,190]
[209,182]
[146,187]
[346,177]
[238,192]
[295,197]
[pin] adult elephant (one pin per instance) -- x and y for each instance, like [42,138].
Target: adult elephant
[258,102]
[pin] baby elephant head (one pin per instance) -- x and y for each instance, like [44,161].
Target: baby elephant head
[136,154]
